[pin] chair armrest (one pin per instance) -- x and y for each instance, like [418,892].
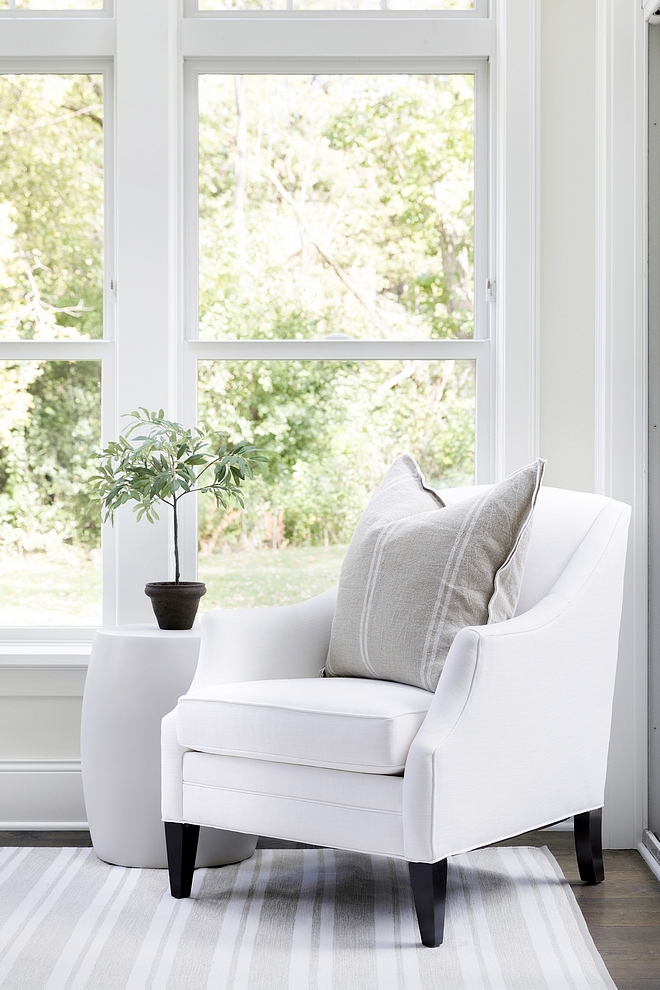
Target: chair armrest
[171,763]
[516,736]
[265,643]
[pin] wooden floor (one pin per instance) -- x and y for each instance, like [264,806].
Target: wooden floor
[623,914]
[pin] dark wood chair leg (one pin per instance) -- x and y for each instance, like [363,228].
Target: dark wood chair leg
[429,885]
[589,845]
[181,842]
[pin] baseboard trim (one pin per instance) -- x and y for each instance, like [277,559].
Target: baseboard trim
[40,766]
[41,794]
[44,826]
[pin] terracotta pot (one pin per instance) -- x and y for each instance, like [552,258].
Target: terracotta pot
[175,605]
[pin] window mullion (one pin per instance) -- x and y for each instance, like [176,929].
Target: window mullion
[146,214]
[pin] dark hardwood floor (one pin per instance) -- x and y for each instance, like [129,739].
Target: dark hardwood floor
[623,914]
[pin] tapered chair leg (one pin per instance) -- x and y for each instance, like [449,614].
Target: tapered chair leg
[589,845]
[429,885]
[181,842]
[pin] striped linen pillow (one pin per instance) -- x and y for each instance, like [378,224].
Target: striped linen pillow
[416,572]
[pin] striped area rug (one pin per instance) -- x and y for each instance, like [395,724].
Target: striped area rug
[290,920]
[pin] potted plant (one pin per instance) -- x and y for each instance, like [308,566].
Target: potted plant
[162,464]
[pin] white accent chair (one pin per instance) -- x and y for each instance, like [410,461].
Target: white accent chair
[515,736]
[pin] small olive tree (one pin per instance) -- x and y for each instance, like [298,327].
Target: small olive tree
[166,463]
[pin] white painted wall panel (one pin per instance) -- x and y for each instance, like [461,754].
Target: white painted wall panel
[568,242]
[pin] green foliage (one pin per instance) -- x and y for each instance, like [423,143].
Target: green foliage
[167,463]
[163,466]
[328,205]
[334,428]
[51,287]
[336,204]
[50,416]
[51,206]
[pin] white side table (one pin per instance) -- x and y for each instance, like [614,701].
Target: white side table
[136,676]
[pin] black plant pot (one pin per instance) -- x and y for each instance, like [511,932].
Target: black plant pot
[175,605]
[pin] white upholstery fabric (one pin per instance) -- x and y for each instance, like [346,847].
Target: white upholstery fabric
[346,723]
[516,735]
[518,731]
[171,756]
[335,808]
[249,644]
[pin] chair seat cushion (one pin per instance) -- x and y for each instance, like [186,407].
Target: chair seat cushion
[344,723]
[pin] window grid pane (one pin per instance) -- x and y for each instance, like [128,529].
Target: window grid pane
[50,532]
[336,205]
[51,209]
[331,428]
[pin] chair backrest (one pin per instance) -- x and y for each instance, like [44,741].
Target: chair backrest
[562,520]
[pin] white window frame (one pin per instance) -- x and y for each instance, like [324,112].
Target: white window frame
[150,353]
[368,51]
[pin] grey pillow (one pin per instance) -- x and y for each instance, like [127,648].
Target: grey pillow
[416,572]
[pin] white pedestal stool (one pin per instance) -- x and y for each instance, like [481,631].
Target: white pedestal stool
[136,676]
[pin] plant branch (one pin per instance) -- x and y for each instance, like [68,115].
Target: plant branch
[177,572]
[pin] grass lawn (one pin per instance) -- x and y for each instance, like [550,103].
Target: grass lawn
[44,590]
[268,577]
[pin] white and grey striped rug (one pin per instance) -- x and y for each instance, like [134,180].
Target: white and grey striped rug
[289,920]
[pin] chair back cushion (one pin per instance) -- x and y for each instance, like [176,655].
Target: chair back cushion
[416,573]
[562,520]
[339,723]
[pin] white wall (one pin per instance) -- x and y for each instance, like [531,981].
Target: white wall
[592,332]
[568,242]
[40,702]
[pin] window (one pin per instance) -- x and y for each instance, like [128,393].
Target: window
[336,204]
[331,207]
[51,214]
[51,300]
[334,428]
[286,206]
